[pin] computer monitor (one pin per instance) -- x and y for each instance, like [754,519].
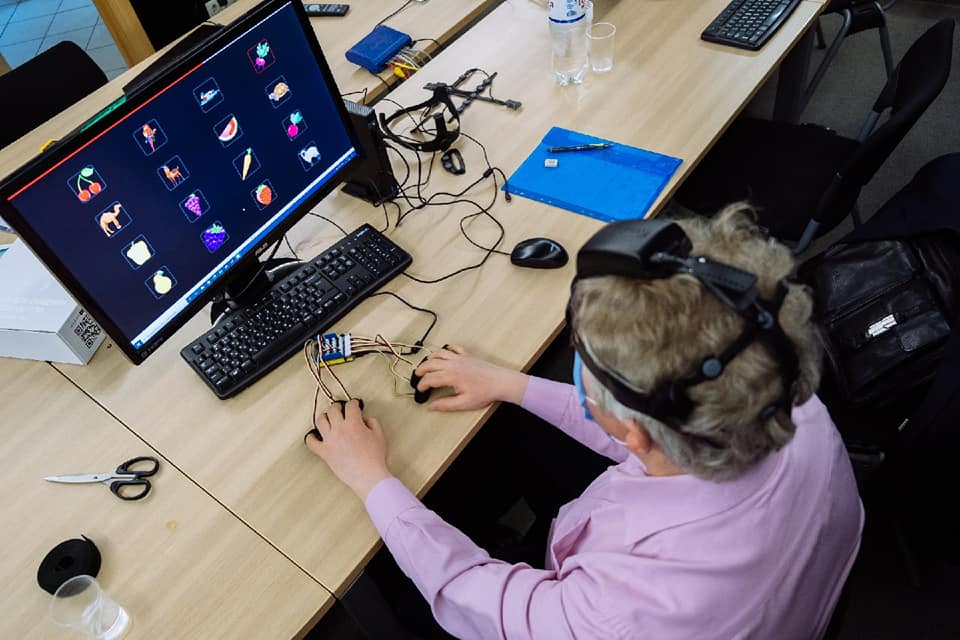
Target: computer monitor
[157,203]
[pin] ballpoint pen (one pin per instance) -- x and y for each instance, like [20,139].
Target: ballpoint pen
[581,147]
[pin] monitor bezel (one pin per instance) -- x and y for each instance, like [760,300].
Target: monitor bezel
[122,107]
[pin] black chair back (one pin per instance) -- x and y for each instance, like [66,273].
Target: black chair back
[914,85]
[44,86]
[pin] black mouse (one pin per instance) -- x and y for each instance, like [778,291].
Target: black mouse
[343,408]
[420,396]
[539,253]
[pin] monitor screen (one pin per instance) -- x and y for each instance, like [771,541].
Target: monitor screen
[144,212]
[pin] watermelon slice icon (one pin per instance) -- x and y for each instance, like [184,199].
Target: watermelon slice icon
[229,130]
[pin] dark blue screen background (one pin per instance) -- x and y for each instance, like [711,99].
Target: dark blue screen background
[186,135]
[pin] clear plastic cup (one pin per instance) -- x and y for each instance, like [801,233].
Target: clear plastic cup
[80,604]
[600,36]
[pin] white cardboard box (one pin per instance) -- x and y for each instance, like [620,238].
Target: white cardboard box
[39,320]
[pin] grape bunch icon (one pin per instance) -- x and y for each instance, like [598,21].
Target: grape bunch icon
[192,204]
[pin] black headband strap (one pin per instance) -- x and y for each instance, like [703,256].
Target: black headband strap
[444,137]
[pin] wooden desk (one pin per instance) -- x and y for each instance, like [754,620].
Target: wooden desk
[669,92]
[434,22]
[180,563]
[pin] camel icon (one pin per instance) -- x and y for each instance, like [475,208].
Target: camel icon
[111,218]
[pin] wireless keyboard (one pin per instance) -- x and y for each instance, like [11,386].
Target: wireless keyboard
[249,343]
[748,24]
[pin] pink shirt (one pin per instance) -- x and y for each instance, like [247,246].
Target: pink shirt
[638,556]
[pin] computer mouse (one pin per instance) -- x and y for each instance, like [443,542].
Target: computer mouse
[343,407]
[539,253]
[419,396]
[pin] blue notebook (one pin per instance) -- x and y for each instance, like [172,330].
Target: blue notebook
[618,183]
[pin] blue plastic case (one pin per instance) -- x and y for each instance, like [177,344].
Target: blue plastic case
[378,47]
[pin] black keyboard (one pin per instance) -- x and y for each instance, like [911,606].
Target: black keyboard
[251,342]
[747,24]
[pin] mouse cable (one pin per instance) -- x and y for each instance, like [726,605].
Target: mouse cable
[433,314]
[486,159]
[422,181]
[456,197]
[431,200]
[489,250]
[490,169]
[419,124]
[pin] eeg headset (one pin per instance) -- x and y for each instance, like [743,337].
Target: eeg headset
[655,249]
[443,138]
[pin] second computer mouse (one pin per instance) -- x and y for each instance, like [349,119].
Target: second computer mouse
[539,253]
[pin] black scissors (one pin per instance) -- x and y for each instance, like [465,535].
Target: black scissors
[125,476]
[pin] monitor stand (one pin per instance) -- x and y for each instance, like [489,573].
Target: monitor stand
[248,285]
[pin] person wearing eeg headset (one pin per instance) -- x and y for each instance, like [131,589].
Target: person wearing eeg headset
[730,510]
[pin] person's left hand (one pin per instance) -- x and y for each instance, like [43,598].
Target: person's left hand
[353,446]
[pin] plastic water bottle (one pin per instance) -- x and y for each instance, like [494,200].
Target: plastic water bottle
[568,33]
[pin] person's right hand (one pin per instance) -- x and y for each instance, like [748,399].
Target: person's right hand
[475,383]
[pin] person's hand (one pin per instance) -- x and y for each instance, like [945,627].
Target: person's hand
[353,446]
[475,383]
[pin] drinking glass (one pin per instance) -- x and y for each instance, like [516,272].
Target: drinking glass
[80,604]
[601,36]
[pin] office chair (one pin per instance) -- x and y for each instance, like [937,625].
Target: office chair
[44,86]
[901,464]
[856,16]
[805,179]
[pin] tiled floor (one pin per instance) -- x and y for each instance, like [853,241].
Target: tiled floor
[28,27]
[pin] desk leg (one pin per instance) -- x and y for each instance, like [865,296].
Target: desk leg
[792,79]
[371,612]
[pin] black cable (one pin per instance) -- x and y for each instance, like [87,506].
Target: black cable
[491,170]
[439,46]
[409,142]
[402,7]
[489,250]
[290,246]
[263,265]
[387,215]
[362,92]
[382,201]
[449,198]
[377,76]
[317,215]
[433,322]
[421,181]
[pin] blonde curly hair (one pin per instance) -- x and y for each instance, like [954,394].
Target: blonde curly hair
[650,331]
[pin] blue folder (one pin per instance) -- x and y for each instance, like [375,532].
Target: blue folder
[617,183]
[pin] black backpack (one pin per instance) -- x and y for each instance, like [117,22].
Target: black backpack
[886,309]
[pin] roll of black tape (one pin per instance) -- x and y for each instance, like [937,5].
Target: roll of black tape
[77,557]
